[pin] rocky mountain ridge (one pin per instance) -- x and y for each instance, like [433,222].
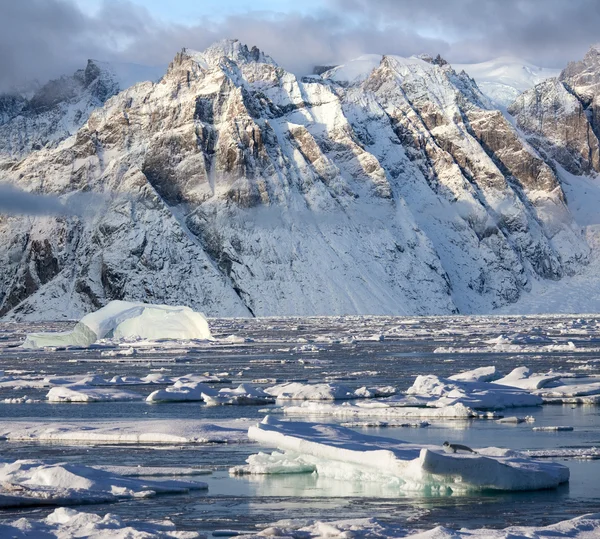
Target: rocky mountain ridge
[239,189]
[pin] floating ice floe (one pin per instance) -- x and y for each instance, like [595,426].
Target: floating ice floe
[325,392]
[243,394]
[385,411]
[180,392]
[123,320]
[482,374]
[521,377]
[84,393]
[578,393]
[65,522]
[440,392]
[381,424]
[341,453]
[583,527]
[172,431]
[32,482]
[558,428]
[585,453]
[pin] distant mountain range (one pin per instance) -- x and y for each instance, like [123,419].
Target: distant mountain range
[385,185]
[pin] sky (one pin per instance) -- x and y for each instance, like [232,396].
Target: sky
[42,39]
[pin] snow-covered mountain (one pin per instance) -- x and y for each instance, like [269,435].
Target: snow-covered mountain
[504,78]
[54,111]
[237,188]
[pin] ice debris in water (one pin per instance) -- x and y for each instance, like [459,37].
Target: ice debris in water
[65,522]
[128,321]
[583,527]
[340,453]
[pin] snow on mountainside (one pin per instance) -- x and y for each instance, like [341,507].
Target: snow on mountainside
[59,108]
[236,188]
[504,78]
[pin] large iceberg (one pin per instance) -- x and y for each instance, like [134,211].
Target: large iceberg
[124,320]
[341,453]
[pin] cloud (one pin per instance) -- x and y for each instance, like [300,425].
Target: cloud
[40,39]
[14,201]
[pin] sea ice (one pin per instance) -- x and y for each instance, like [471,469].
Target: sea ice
[123,320]
[85,393]
[243,394]
[172,431]
[342,453]
[583,527]
[478,395]
[64,523]
[325,392]
[381,410]
[32,482]
[180,392]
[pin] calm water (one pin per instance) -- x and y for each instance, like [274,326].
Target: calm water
[329,349]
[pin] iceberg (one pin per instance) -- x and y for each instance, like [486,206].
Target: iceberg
[341,453]
[124,320]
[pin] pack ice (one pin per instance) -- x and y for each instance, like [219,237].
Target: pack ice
[341,453]
[126,320]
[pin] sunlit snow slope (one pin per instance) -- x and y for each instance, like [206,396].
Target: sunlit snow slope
[389,185]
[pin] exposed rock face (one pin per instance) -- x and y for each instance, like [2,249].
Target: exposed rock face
[59,108]
[235,188]
[561,116]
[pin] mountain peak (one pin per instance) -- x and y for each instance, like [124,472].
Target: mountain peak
[232,49]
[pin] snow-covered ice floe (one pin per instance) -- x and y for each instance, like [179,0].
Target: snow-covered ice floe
[32,482]
[384,411]
[85,393]
[187,391]
[583,527]
[440,392]
[171,431]
[326,392]
[123,320]
[337,452]
[65,522]
[243,394]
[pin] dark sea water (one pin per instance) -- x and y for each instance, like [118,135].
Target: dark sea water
[318,349]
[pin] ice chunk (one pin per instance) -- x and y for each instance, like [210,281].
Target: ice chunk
[561,428]
[482,374]
[243,394]
[128,321]
[380,410]
[477,395]
[583,527]
[180,392]
[85,393]
[65,522]
[325,392]
[345,454]
[31,482]
[521,377]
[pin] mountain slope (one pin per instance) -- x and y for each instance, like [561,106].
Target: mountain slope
[236,188]
[60,107]
[503,79]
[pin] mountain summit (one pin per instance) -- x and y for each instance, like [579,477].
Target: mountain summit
[237,188]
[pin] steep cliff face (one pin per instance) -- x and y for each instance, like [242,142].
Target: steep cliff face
[236,188]
[59,108]
[561,116]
